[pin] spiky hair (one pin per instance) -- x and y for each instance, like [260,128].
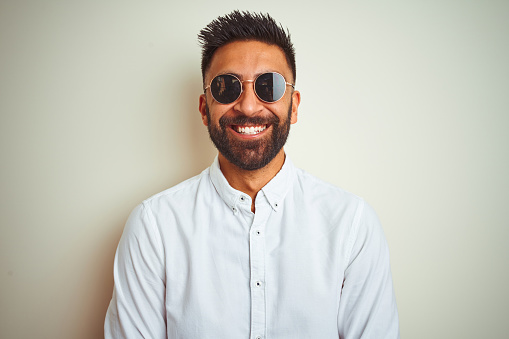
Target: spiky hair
[242,26]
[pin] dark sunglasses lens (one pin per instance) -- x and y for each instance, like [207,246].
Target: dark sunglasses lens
[270,87]
[225,88]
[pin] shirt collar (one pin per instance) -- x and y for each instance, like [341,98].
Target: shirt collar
[274,191]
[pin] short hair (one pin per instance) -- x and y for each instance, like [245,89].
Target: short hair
[244,26]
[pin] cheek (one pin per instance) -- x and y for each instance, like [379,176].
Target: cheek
[284,106]
[217,111]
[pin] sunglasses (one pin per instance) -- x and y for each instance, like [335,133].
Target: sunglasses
[269,87]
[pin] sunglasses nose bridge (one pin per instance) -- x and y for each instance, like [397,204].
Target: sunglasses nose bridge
[243,88]
[248,101]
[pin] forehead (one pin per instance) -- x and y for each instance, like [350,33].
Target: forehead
[248,59]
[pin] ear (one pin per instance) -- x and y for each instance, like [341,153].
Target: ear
[295,106]
[203,109]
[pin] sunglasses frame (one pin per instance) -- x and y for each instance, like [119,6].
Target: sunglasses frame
[254,88]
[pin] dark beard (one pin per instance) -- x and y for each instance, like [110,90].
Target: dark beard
[250,155]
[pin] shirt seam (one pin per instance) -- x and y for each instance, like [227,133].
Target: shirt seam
[155,230]
[355,230]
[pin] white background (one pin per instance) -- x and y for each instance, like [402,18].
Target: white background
[405,103]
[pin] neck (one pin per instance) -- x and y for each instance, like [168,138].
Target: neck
[251,182]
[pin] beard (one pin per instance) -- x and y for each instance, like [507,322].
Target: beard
[250,155]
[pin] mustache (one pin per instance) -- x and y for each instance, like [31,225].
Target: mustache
[245,120]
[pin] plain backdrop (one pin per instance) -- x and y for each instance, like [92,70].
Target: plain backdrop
[405,103]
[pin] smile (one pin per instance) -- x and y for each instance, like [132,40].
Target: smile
[249,130]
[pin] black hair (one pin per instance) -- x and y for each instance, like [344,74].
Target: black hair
[242,26]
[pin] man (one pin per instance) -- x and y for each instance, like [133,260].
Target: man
[252,247]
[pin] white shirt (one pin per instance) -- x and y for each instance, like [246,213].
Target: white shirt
[194,262]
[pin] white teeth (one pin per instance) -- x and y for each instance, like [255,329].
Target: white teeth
[251,129]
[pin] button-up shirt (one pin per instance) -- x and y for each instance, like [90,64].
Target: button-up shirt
[195,262]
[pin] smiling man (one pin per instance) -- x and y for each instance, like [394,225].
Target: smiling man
[252,247]
[248,110]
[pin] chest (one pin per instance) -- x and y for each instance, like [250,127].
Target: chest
[275,273]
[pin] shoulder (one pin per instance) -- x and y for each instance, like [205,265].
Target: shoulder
[318,189]
[342,207]
[332,200]
[168,204]
[181,192]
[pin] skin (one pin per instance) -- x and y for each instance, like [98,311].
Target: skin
[248,59]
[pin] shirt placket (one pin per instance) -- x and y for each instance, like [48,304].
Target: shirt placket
[257,268]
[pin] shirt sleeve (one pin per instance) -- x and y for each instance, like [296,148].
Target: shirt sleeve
[368,305]
[137,308]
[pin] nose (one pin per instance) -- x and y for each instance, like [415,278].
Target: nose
[248,103]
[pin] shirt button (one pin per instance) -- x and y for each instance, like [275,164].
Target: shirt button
[242,198]
[258,232]
[258,337]
[234,209]
[276,204]
[258,284]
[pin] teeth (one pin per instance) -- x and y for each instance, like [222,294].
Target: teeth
[251,129]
